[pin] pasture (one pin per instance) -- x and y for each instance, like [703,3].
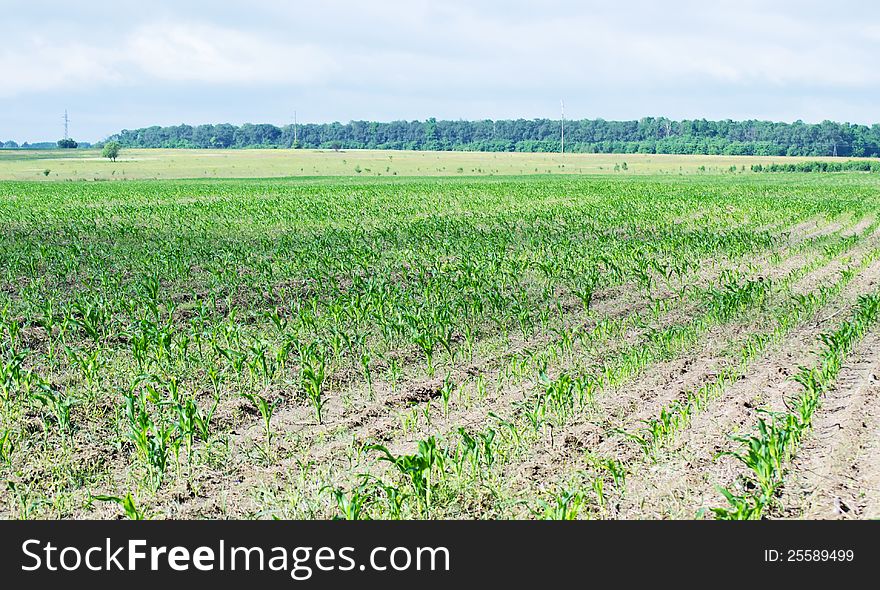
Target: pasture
[141,164]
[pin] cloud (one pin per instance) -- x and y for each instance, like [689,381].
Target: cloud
[737,48]
[569,47]
[46,66]
[161,52]
[203,53]
[341,59]
[422,47]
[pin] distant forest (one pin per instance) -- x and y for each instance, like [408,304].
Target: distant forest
[648,135]
[42,145]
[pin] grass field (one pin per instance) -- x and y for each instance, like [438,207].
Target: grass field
[499,347]
[169,164]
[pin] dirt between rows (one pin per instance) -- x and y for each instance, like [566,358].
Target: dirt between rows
[836,474]
[685,477]
[859,227]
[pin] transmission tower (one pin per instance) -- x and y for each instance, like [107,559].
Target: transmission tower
[66,124]
[562,136]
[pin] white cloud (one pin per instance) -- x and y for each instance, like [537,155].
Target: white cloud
[202,53]
[46,66]
[161,52]
[343,59]
[423,46]
[738,47]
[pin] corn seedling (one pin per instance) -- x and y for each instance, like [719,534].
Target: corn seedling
[127,504]
[312,376]
[266,410]
[417,468]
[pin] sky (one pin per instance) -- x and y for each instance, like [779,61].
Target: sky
[127,64]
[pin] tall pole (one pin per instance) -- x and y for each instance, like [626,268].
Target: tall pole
[294,130]
[562,137]
[66,121]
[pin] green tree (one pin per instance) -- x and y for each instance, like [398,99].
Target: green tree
[111,150]
[648,135]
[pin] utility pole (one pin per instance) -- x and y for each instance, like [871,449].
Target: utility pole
[66,123]
[562,137]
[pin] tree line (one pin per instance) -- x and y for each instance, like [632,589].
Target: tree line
[648,135]
[44,145]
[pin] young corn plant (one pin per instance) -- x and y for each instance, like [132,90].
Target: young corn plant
[312,375]
[351,506]
[7,445]
[613,467]
[127,503]
[477,449]
[89,363]
[266,409]
[427,343]
[11,375]
[151,438]
[418,469]
[58,404]
[564,505]
[446,393]
[598,486]
[394,498]
[23,498]
[193,422]
[744,507]
[393,372]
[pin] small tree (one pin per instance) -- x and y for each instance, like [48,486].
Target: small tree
[111,150]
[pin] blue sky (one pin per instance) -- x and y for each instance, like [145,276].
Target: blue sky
[127,64]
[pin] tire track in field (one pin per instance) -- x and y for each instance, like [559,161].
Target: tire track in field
[803,229]
[862,225]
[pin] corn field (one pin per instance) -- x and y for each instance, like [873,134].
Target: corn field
[503,347]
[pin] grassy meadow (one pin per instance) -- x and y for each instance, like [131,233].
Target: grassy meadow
[141,164]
